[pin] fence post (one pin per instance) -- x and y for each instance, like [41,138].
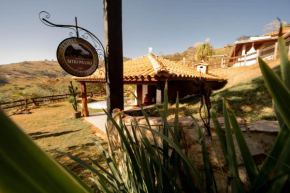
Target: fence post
[245,59]
[26,103]
[289,49]
[276,50]
[258,54]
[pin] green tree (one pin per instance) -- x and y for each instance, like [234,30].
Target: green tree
[203,50]
[274,26]
[243,37]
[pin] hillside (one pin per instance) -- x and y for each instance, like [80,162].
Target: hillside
[26,72]
[27,79]
[190,52]
[245,91]
[236,75]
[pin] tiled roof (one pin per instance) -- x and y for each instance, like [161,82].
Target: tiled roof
[152,68]
[276,33]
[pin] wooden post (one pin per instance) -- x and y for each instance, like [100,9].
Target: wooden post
[114,50]
[289,49]
[276,50]
[26,103]
[258,54]
[245,59]
[84,99]
[139,94]
[222,62]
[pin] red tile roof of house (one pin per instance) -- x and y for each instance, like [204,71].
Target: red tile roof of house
[276,33]
[152,68]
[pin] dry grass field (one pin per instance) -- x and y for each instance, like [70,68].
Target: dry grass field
[53,128]
[237,75]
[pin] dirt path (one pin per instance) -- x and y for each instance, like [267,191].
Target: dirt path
[53,128]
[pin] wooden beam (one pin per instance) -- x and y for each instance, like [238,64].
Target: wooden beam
[85,110]
[139,93]
[114,51]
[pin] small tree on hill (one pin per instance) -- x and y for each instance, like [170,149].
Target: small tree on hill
[243,37]
[203,50]
[274,26]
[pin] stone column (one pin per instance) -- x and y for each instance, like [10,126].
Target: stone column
[136,94]
[158,96]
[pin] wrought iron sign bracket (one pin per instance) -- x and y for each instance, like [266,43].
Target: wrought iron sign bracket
[78,32]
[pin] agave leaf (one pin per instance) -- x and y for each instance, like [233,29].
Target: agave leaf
[166,99]
[26,168]
[188,186]
[285,71]
[270,163]
[128,149]
[172,186]
[102,168]
[207,165]
[147,121]
[131,141]
[111,150]
[236,184]
[165,132]
[77,178]
[176,130]
[284,62]
[282,168]
[182,155]
[113,167]
[86,165]
[278,90]
[146,171]
[249,163]
[102,185]
[220,134]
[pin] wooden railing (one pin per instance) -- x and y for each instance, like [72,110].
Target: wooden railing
[270,53]
[37,101]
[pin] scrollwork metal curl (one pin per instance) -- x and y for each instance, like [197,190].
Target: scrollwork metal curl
[44,16]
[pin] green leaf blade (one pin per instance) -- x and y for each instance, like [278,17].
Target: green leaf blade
[249,163]
[278,91]
[35,169]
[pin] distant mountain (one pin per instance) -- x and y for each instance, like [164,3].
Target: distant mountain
[35,79]
[30,72]
[32,79]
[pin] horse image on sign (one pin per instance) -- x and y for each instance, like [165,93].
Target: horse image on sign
[77,57]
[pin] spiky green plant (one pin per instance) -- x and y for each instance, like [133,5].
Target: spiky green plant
[147,167]
[274,174]
[73,96]
[24,167]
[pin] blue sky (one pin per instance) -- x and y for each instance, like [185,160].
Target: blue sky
[169,26]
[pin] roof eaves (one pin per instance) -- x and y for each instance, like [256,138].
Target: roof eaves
[252,41]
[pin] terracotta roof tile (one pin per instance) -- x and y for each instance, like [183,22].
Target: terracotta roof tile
[152,68]
[276,33]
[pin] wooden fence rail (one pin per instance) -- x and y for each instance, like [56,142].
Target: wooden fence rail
[36,101]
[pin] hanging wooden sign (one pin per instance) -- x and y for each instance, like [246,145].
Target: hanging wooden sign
[77,57]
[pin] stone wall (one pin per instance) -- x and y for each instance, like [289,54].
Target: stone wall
[259,136]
